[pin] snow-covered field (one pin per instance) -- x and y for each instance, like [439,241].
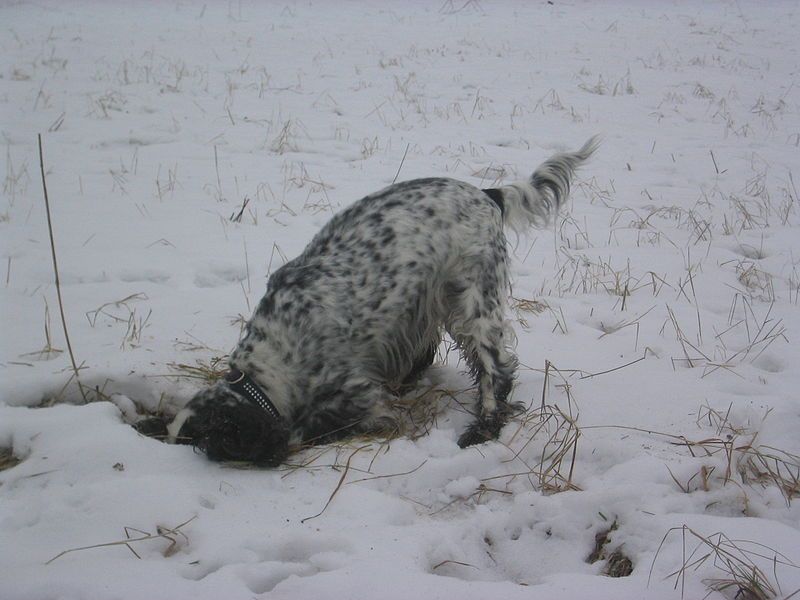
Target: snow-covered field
[190,149]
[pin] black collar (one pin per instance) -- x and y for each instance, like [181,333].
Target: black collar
[244,385]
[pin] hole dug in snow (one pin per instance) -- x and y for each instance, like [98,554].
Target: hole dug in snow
[751,252]
[263,565]
[8,460]
[617,564]
[769,363]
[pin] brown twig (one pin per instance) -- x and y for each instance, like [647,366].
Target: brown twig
[162,532]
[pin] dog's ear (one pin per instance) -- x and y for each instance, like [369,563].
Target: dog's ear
[238,432]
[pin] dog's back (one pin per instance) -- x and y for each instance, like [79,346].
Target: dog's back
[373,281]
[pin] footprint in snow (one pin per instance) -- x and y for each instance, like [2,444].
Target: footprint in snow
[219,276]
[146,275]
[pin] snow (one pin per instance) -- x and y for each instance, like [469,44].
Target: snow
[678,257]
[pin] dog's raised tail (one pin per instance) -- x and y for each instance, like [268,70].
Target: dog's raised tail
[534,203]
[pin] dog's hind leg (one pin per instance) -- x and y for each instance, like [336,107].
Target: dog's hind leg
[476,324]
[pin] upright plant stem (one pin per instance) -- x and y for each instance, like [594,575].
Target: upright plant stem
[55,270]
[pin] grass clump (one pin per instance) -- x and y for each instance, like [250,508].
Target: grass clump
[746,570]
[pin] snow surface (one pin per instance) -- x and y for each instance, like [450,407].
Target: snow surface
[680,249]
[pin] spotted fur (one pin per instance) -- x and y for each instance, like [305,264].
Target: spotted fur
[364,307]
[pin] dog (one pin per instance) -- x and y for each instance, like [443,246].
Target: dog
[363,309]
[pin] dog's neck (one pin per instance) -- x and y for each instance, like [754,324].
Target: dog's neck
[245,386]
[263,365]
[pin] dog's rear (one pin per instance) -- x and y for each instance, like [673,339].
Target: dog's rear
[480,337]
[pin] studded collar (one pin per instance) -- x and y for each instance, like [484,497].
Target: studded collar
[244,385]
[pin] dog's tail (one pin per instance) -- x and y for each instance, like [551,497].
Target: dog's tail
[536,201]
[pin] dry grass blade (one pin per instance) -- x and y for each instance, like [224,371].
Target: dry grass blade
[207,371]
[48,351]
[403,160]
[528,305]
[765,465]
[555,459]
[338,485]
[561,446]
[477,495]
[306,464]
[390,475]
[525,305]
[633,362]
[166,533]
[452,562]
[754,463]
[236,217]
[737,559]
[416,412]
[92,315]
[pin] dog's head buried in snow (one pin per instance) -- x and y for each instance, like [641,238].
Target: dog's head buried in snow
[228,425]
[362,310]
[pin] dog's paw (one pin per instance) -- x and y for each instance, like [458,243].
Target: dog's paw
[473,436]
[488,427]
[483,430]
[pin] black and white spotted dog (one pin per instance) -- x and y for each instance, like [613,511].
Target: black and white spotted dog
[363,309]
